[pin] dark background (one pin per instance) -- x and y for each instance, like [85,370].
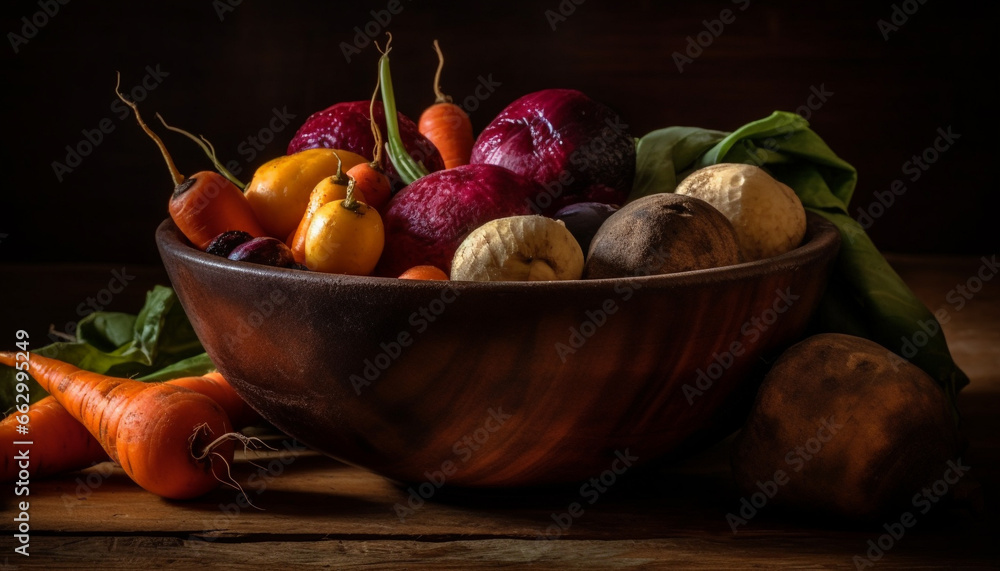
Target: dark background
[226,74]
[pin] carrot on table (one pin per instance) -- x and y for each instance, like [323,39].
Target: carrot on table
[163,436]
[447,125]
[60,442]
[205,204]
[68,445]
[217,388]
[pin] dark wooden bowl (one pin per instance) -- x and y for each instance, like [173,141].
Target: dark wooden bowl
[498,384]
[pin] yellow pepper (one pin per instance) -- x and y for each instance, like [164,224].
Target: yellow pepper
[279,191]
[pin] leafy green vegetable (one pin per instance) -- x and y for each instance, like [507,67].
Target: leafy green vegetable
[190,367]
[158,343]
[865,296]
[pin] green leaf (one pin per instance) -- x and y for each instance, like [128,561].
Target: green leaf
[106,330]
[124,345]
[865,296]
[662,154]
[191,367]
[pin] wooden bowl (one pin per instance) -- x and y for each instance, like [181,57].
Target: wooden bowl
[499,384]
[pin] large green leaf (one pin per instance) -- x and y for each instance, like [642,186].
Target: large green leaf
[158,343]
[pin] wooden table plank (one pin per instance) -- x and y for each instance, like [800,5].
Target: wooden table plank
[319,512]
[684,553]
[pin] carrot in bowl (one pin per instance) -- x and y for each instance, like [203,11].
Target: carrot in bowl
[165,437]
[369,178]
[205,204]
[447,125]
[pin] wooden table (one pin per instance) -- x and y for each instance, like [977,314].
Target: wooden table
[314,511]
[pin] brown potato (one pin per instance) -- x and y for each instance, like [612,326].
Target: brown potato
[662,234]
[855,430]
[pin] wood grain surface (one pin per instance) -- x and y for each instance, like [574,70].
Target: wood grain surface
[316,512]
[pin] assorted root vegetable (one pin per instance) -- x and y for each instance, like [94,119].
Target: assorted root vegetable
[767,216]
[71,444]
[519,248]
[172,441]
[335,204]
[856,431]
[447,125]
[541,195]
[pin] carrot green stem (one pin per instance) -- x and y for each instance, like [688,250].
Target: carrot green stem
[438,94]
[376,133]
[209,150]
[409,169]
[174,173]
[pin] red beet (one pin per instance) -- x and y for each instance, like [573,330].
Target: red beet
[577,148]
[347,126]
[428,219]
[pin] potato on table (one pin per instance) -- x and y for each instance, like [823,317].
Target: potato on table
[856,430]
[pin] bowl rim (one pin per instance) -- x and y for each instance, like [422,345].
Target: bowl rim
[822,238]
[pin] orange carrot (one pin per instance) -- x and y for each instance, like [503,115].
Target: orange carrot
[370,178]
[424,273]
[163,436]
[205,204]
[215,387]
[446,124]
[72,447]
[60,443]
